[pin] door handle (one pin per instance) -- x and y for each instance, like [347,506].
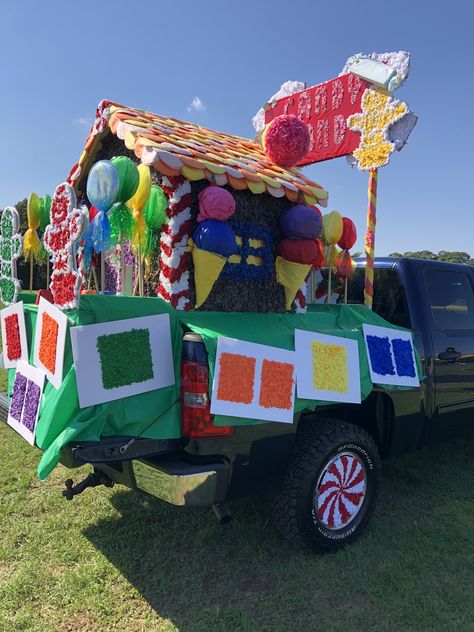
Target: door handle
[450,355]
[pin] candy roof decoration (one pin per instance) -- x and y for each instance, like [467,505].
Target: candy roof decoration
[177,148]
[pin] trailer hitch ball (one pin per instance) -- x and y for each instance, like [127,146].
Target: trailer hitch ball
[92,480]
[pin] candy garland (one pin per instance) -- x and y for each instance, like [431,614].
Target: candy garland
[67,223]
[174,277]
[10,250]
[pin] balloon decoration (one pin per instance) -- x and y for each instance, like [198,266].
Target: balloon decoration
[213,239]
[332,232]
[120,215]
[31,240]
[137,203]
[300,222]
[154,214]
[344,263]
[102,189]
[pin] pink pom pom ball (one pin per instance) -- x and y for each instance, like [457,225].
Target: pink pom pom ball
[286,140]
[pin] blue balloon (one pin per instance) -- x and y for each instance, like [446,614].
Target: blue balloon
[301,222]
[103,184]
[215,236]
[97,236]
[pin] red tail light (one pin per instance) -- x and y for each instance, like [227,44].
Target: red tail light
[196,419]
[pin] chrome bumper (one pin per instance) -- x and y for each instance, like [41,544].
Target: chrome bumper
[182,484]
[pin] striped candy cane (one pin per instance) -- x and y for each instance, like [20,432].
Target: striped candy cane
[370,239]
[174,274]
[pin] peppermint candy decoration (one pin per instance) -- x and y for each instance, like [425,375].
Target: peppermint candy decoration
[341,490]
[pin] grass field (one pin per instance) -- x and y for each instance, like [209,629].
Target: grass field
[115,560]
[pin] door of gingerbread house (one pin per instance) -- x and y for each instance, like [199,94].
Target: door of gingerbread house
[186,159]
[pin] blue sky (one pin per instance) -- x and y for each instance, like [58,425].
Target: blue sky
[59,59]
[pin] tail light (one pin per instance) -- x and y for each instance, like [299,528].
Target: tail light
[196,419]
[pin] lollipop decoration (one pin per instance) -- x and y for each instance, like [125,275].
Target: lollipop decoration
[67,223]
[120,216]
[10,250]
[31,241]
[44,213]
[137,203]
[332,232]
[344,260]
[102,189]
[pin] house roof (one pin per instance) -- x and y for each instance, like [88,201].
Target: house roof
[175,147]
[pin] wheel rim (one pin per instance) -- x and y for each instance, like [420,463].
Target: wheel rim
[341,490]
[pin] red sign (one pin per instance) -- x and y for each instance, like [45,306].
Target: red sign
[324,109]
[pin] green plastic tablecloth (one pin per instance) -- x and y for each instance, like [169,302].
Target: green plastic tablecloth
[156,414]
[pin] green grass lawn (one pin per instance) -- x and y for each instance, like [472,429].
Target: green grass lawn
[115,560]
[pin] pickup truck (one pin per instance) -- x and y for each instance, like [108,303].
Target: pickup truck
[325,468]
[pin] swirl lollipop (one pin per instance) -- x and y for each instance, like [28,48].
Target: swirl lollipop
[137,203]
[102,189]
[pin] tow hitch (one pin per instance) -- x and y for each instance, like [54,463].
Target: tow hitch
[92,480]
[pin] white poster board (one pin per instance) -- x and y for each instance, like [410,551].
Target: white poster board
[16,309]
[391,356]
[327,367]
[25,401]
[110,365]
[50,341]
[253,381]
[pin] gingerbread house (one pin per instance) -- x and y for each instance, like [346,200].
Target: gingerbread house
[185,159]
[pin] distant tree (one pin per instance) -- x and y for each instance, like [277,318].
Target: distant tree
[421,254]
[453,257]
[443,255]
[356,254]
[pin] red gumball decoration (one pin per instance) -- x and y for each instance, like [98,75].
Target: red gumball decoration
[344,265]
[319,260]
[286,140]
[298,250]
[349,234]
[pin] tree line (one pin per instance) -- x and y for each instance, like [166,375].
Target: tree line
[443,255]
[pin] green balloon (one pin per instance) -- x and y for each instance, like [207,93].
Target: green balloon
[128,175]
[155,208]
[45,210]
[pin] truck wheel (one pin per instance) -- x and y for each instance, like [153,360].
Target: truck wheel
[330,487]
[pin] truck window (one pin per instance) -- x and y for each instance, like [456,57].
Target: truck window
[451,299]
[389,295]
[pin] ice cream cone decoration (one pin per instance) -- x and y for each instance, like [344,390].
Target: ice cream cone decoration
[291,275]
[207,269]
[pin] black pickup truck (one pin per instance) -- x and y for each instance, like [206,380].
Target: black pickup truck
[326,466]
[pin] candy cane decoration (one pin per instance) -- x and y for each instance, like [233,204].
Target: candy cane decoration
[67,223]
[173,284]
[370,239]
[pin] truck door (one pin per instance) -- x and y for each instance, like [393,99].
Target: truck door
[451,321]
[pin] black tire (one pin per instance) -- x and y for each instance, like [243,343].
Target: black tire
[322,445]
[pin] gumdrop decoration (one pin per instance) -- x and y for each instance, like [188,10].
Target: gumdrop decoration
[10,250]
[286,140]
[67,224]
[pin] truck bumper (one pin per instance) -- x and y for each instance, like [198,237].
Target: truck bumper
[174,480]
[182,484]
